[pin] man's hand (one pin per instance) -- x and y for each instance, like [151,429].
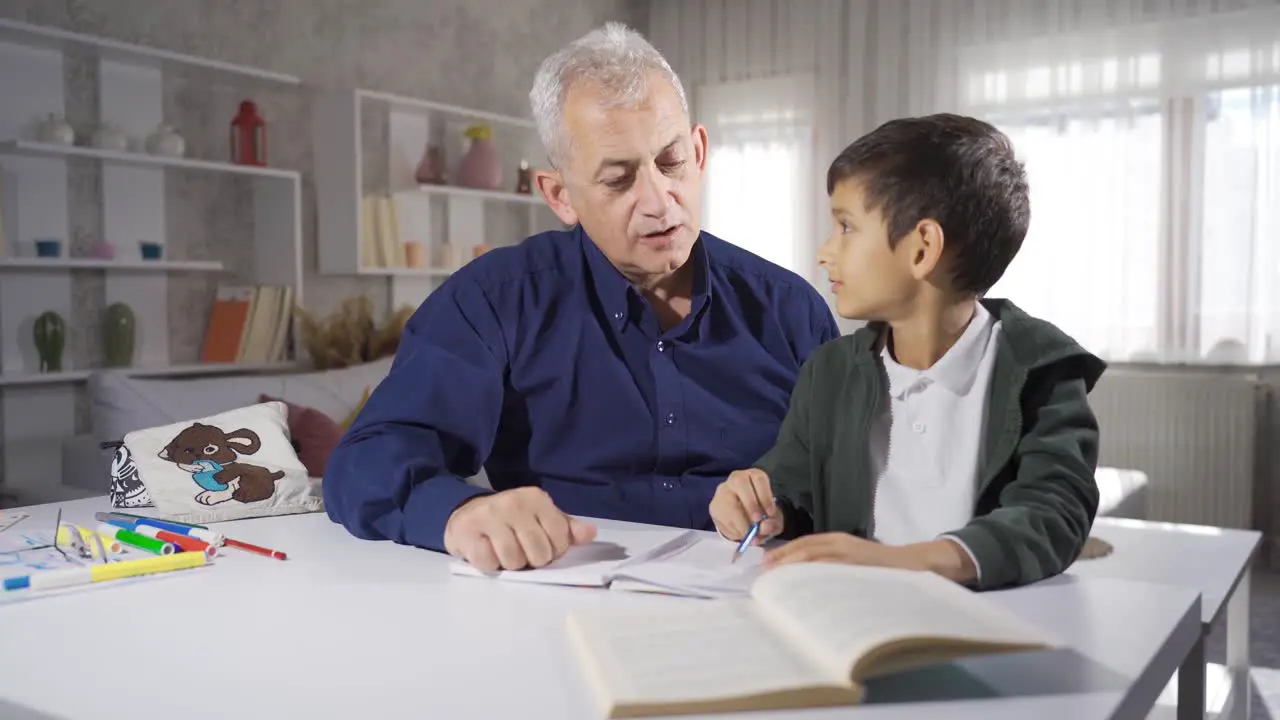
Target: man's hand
[741,500]
[513,530]
[944,557]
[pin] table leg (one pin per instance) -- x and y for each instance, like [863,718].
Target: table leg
[1238,649]
[1191,682]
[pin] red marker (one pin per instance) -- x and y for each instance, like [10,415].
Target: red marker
[185,542]
[254,548]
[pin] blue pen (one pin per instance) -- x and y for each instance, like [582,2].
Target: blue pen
[750,537]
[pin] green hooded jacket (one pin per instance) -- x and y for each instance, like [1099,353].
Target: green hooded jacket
[1036,497]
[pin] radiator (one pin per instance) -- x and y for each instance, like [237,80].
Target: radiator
[1194,433]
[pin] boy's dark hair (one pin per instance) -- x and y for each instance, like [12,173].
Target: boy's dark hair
[957,170]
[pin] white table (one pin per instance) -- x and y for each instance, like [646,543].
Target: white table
[1214,561]
[348,628]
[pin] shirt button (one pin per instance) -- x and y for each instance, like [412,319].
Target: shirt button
[917,426]
[617,316]
[668,485]
[671,419]
[661,346]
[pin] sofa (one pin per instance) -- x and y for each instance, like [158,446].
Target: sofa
[119,403]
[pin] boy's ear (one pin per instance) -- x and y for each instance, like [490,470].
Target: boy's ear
[925,243]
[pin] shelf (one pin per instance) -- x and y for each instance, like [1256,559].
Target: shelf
[498,195]
[407,271]
[39,36]
[75,263]
[41,149]
[74,376]
[399,102]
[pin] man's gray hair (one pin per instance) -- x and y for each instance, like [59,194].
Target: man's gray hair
[614,57]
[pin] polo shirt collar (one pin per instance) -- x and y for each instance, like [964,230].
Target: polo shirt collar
[955,370]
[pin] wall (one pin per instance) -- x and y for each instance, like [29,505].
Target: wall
[473,53]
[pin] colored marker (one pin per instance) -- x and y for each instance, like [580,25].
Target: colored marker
[254,548]
[185,543]
[67,577]
[109,542]
[131,516]
[142,542]
[209,536]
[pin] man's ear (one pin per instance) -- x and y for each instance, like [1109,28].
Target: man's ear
[699,134]
[551,185]
[925,243]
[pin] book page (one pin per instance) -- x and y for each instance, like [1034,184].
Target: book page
[679,655]
[587,565]
[705,566]
[866,621]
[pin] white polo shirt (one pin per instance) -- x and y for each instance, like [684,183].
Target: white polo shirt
[927,439]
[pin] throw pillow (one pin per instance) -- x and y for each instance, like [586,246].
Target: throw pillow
[236,464]
[314,434]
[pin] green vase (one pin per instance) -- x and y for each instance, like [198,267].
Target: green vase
[118,335]
[50,333]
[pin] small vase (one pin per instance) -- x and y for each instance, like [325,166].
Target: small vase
[56,130]
[119,332]
[50,333]
[165,141]
[481,168]
[431,170]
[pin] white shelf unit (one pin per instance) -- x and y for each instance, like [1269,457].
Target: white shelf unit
[167,371]
[433,215]
[38,410]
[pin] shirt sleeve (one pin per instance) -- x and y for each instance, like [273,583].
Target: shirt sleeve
[399,471]
[977,565]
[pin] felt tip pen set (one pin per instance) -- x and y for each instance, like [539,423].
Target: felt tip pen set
[118,546]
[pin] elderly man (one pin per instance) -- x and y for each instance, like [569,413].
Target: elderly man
[621,369]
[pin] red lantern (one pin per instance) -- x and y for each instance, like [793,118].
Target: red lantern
[248,136]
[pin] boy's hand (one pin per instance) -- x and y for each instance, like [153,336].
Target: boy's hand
[835,547]
[944,557]
[741,500]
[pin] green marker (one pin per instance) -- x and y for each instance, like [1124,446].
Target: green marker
[142,542]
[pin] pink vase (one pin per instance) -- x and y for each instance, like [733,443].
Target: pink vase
[481,168]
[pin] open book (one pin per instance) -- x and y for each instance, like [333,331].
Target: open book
[676,562]
[808,636]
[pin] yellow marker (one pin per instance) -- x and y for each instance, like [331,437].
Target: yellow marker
[50,579]
[111,544]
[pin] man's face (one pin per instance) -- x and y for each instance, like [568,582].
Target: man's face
[632,178]
[871,277]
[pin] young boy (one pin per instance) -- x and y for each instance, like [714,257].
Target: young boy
[953,433]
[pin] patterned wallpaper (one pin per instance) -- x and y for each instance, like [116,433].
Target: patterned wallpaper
[474,53]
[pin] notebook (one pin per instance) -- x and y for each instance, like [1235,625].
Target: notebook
[675,562]
[807,636]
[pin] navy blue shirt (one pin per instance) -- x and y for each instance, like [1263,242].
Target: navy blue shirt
[543,364]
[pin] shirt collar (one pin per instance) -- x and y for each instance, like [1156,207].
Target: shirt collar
[955,370]
[619,298]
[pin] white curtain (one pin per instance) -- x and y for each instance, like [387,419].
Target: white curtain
[758,191]
[1152,150]
[1149,129]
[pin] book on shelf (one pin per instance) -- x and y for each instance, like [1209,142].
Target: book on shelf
[249,324]
[380,241]
[808,635]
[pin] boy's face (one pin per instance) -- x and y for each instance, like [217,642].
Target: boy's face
[871,278]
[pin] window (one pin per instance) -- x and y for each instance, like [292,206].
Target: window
[1155,185]
[758,193]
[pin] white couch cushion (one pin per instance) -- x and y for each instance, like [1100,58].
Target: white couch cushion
[119,404]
